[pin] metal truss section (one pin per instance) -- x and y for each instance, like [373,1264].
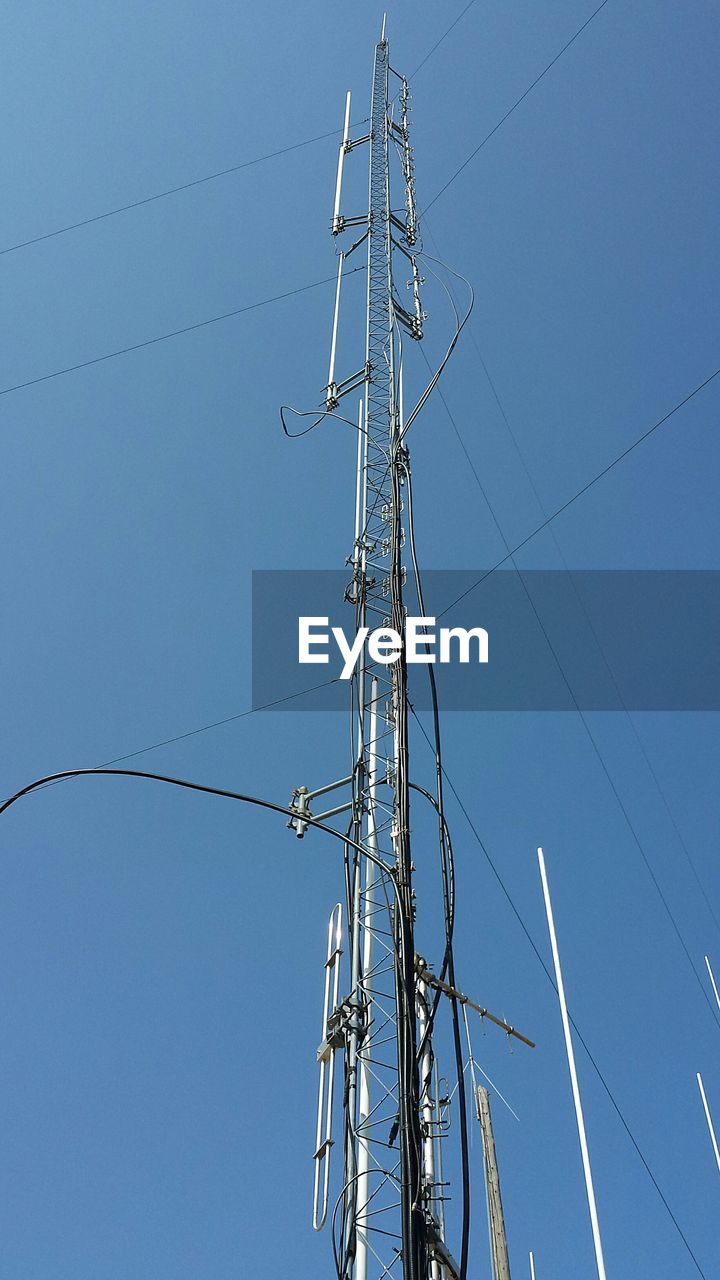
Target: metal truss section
[381,1226]
[387,1219]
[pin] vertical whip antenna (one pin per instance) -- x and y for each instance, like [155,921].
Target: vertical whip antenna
[590,1189]
[337,221]
[708,1117]
[331,391]
[713,982]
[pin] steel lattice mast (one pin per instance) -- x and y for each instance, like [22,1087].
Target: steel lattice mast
[381,1069]
[388,1219]
[390,1131]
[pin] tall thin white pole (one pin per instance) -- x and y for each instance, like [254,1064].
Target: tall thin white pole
[336,221]
[331,397]
[714,983]
[532,1266]
[573,1075]
[708,1117]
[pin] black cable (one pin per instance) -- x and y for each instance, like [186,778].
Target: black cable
[423,398]
[319,414]
[415,786]
[446,855]
[646,434]
[459,326]
[514,107]
[447,861]
[230,795]
[163,337]
[414,1225]
[401,931]
[206,790]
[486,854]
[449,959]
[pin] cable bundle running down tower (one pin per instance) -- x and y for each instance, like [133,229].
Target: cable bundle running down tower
[388,1218]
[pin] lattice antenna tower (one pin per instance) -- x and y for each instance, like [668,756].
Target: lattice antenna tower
[388,1219]
[390,1133]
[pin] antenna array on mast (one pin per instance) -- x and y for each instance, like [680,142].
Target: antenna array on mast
[388,1218]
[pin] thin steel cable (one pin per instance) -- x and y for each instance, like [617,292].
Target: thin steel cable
[581,602]
[443,37]
[172,191]
[175,333]
[551,980]
[513,108]
[583,719]
[219,173]
[318,414]
[589,485]
[214,724]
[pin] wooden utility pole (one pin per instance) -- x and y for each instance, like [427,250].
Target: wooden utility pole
[496,1220]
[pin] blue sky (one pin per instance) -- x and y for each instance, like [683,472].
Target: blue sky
[161,952]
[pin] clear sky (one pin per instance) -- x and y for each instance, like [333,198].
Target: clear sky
[161,953]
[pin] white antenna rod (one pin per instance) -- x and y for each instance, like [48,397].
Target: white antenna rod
[708,1117]
[712,979]
[337,222]
[532,1266]
[359,484]
[573,1075]
[331,397]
